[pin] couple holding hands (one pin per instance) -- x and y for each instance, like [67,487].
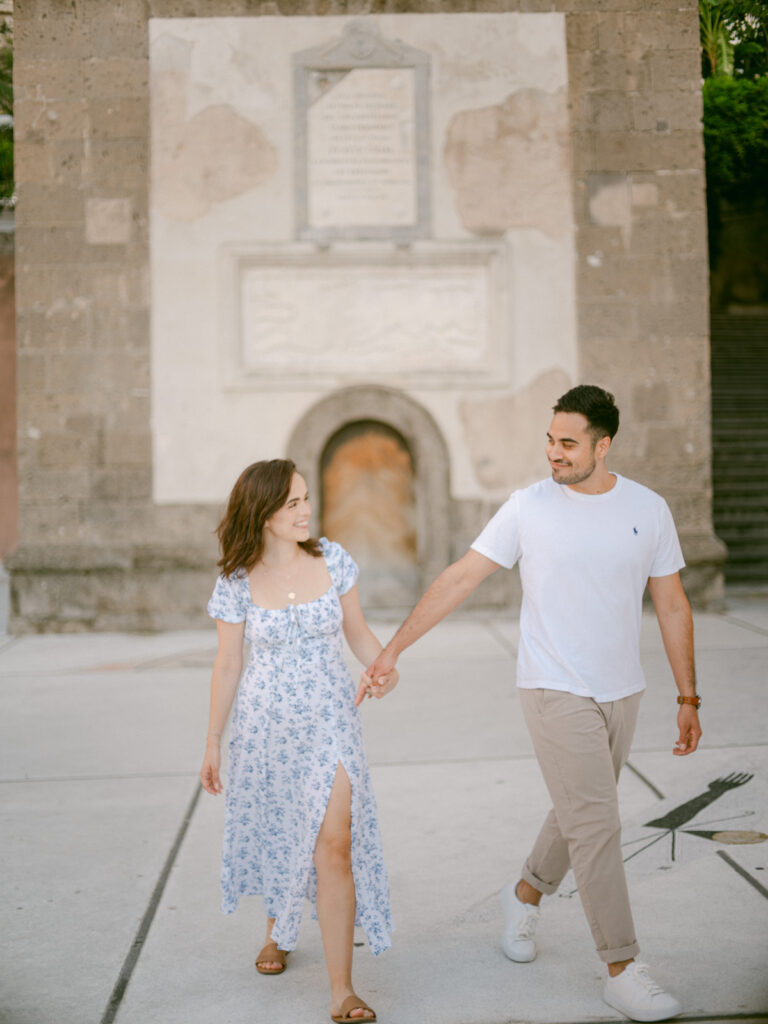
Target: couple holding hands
[300,810]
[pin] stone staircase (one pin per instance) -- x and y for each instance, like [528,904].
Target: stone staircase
[739,346]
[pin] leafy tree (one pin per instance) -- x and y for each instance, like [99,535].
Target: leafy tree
[734,37]
[7,187]
[716,45]
[736,138]
[734,45]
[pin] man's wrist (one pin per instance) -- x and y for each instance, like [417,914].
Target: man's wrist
[694,700]
[391,653]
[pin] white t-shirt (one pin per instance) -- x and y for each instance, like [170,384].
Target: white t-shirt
[584,562]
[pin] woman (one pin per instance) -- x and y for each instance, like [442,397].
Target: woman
[300,810]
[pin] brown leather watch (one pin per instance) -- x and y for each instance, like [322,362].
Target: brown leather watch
[695,701]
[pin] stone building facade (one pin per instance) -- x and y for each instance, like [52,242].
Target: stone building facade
[157,216]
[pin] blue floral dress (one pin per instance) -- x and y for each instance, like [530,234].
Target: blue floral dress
[293,721]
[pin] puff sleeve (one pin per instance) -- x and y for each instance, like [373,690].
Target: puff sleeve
[341,566]
[229,598]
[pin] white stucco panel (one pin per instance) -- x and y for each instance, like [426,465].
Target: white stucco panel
[485,306]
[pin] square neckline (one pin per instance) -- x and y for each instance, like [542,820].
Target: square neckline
[296,604]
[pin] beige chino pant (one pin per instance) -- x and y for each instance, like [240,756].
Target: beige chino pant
[581,747]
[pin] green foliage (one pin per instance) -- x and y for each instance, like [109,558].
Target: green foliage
[6,68]
[736,154]
[734,37]
[716,45]
[6,164]
[736,138]
[7,186]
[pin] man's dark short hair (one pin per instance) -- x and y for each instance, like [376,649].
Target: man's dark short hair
[595,405]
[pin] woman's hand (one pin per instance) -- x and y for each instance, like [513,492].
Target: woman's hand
[368,688]
[209,773]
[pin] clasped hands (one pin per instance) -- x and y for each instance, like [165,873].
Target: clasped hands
[379,678]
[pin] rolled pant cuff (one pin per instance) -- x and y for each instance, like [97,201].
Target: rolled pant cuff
[615,956]
[546,888]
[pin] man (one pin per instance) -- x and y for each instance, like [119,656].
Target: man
[587,542]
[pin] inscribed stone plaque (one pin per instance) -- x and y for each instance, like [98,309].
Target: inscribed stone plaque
[361,156]
[362,138]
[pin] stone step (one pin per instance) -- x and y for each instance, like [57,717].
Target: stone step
[746,506]
[736,516]
[737,409]
[741,531]
[731,401]
[743,453]
[730,432]
[756,574]
[749,484]
[748,503]
[746,557]
[732,452]
[739,373]
[738,462]
[747,561]
[736,465]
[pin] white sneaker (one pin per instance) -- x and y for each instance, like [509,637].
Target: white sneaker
[636,994]
[520,920]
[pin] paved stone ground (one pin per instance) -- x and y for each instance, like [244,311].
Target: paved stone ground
[110,853]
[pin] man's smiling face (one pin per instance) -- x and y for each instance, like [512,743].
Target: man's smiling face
[571,448]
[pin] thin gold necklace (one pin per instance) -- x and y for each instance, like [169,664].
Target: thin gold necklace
[271,572]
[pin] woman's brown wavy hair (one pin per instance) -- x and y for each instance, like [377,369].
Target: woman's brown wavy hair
[261,490]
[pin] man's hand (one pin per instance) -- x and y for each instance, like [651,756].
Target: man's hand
[382,665]
[690,730]
[376,688]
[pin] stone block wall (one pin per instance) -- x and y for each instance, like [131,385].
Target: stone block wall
[94,551]
[8,474]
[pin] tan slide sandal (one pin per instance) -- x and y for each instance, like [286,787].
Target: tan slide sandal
[353,1003]
[271,955]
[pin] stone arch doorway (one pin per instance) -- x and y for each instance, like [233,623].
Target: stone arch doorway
[368,505]
[333,424]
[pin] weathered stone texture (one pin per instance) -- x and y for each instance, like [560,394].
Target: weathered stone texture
[9,369]
[95,552]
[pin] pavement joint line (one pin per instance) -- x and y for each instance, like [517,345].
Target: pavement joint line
[711,1018]
[78,671]
[172,660]
[129,964]
[453,760]
[746,625]
[709,746]
[99,778]
[654,789]
[7,642]
[499,759]
[499,637]
[744,873]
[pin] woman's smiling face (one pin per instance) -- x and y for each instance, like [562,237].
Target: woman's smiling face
[291,522]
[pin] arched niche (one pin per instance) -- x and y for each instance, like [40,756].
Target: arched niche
[368,504]
[424,441]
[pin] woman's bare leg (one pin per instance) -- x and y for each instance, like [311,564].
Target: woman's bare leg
[336,891]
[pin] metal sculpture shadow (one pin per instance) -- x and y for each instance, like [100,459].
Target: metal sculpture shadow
[672,822]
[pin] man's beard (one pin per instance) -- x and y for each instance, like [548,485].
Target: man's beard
[575,476]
